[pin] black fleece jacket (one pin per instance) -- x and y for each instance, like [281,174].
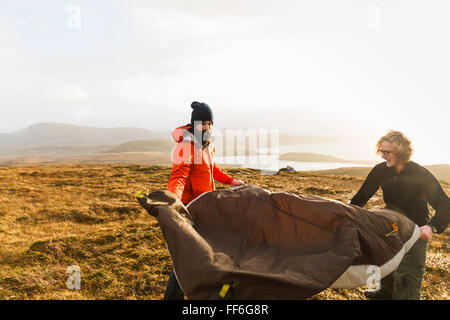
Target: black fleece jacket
[408,192]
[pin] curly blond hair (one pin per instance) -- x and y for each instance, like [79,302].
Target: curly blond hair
[402,145]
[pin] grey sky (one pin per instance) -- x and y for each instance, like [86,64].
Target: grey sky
[314,67]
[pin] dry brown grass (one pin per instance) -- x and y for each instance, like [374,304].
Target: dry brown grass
[54,216]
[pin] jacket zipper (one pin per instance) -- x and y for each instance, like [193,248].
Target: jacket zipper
[211,165]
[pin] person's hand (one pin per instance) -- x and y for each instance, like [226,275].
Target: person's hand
[426,233]
[235,183]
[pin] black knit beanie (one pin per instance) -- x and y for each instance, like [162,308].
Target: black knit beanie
[201,112]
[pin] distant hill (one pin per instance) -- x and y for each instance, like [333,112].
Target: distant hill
[66,135]
[289,139]
[157,145]
[440,171]
[166,145]
[141,158]
[45,135]
[51,151]
[314,157]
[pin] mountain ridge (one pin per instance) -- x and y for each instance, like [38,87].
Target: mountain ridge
[53,134]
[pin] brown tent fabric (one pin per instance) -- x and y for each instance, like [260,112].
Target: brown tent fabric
[278,245]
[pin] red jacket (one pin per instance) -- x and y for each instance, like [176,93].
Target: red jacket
[193,169]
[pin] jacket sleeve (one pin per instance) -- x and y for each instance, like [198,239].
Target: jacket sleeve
[221,176]
[181,168]
[368,189]
[439,200]
[178,178]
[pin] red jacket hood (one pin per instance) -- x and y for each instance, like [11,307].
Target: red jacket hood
[178,133]
[182,134]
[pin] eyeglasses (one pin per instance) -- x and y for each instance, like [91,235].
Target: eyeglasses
[385,152]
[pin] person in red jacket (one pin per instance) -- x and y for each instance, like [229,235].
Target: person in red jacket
[194,170]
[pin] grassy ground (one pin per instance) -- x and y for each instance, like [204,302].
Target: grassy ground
[55,216]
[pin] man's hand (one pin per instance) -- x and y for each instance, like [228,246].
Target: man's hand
[235,183]
[426,233]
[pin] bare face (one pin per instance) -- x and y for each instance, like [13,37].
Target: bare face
[205,129]
[206,125]
[387,153]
